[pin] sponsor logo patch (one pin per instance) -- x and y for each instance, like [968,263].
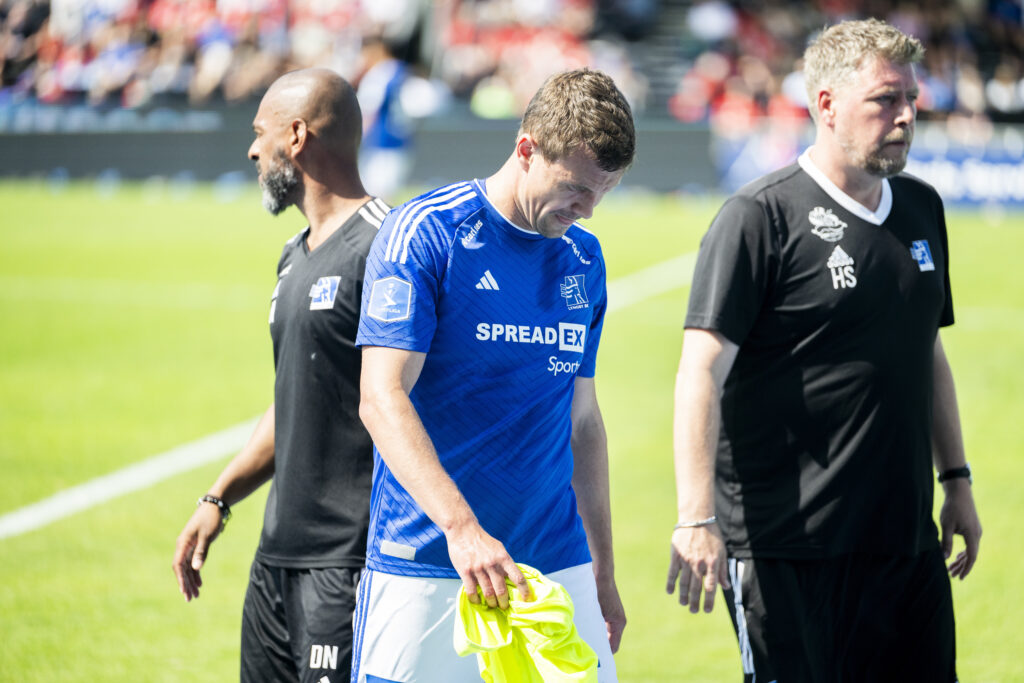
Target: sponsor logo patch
[826,224]
[562,367]
[470,241]
[575,250]
[390,299]
[323,292]
[569,336]
[922,253]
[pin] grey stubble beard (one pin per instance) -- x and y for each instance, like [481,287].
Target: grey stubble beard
[279,184]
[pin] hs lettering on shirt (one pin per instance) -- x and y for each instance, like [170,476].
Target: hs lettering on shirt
[841,265]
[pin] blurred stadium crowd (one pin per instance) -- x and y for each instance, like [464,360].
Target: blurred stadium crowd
[724,62]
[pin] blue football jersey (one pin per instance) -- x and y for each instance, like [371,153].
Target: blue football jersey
[508,319]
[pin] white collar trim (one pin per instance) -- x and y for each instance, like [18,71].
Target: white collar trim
[876,217]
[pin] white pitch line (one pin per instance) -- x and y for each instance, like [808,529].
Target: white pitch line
[622,293]
[126,480]
[651,281]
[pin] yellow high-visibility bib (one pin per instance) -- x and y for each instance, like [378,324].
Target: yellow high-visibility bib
[532,641]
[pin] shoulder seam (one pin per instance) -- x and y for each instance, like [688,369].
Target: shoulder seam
[777,181]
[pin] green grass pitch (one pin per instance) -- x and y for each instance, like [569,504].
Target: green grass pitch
[134,320]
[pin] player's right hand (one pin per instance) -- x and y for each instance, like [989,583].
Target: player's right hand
[482,562]
[192,547]
[698,561]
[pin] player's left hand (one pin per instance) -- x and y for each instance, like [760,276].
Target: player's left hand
[959,516]
[612,610]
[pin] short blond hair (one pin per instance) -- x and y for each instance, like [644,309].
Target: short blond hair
[582,108]
[839,51]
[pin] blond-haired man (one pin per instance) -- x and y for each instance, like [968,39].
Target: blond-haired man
[482,313]
[814,397]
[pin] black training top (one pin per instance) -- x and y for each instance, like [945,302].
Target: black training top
[318,508]
[825,442]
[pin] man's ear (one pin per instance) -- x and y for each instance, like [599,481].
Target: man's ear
[526,149]
[297,136]
[826,107]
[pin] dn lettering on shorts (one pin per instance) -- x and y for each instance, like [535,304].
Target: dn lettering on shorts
[323,657]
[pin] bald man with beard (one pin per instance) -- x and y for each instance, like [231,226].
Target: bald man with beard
[297,617]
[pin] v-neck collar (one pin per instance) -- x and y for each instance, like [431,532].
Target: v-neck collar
[876,217]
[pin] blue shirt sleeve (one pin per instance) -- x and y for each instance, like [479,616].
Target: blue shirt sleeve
[588,364]
[402,283]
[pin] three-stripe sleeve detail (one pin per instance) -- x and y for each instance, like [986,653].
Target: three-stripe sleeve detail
[374,211]
[414,213]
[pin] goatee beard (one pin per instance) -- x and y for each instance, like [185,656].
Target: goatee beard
[278,184]
[887,167]
[884,167]
[876,162]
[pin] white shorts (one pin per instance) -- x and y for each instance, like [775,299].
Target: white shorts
[404,626]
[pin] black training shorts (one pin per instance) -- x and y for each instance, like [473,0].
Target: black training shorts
[297,624]
[851,619]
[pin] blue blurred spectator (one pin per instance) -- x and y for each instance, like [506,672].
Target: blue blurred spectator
[385,158]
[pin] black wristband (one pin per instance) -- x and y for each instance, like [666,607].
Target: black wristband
[957,473]
[225,510]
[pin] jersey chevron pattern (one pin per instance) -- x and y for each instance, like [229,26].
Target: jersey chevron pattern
[507,319]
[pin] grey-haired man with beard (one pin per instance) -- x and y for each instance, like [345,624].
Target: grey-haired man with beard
[297,617]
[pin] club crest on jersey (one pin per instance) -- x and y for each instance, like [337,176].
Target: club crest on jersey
[323,292]
[922,253]
[826,224]
[390,299]
[574,292]
[841,265]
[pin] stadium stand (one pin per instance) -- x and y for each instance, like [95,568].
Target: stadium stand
[694,61]
[717,82]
